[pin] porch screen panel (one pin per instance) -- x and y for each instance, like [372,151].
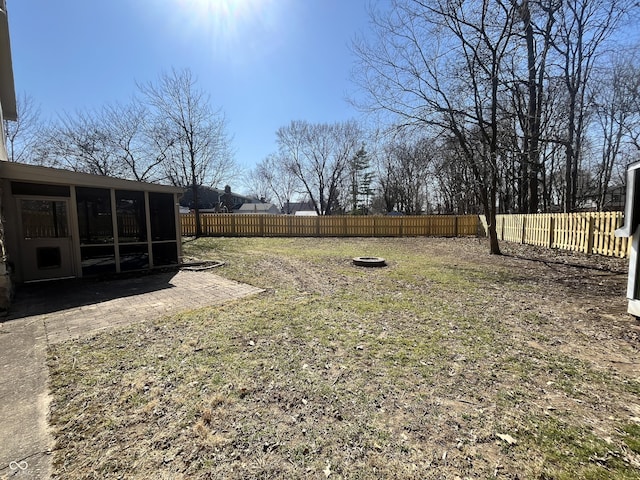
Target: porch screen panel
[165,253]
[95,227]
[134,257]
[132,230]
[163,229]
[94,216]
[97,260]
[130,213]
[163,219]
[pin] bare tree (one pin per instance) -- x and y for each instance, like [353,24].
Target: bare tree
[275,179]
[439,65]
[552,152]
[257,185]
[117,140]
[538,20]
[318,155]
[388,184]
[584,28]
[23,135]
[404,174]
[81,142]
[616,116]
[140,146]
[454,186]
[200,152]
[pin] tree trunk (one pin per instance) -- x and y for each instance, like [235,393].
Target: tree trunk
[492,232]
[494,247]
[569,206]
[196,209]
[532,130]
[196,206]
[488,200]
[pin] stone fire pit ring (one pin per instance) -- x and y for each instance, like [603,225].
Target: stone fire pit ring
[369,262]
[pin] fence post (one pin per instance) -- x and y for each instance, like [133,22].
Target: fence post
[455,226]
[524,230]
[233,225]
[551,230]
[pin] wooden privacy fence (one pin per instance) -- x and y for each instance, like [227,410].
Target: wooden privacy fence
[590,232]
[225,224]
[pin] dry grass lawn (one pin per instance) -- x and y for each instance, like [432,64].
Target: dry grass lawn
[448,363]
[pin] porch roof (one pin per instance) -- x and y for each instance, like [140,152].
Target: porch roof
[36,174]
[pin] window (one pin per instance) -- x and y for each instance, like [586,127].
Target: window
[44,218]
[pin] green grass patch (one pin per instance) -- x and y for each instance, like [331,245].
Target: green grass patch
[632,436]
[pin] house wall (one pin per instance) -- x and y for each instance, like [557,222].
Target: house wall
[5,279]
[8,110]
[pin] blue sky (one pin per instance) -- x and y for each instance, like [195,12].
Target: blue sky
[264,62]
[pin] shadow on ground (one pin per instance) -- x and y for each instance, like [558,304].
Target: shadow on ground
[57,295]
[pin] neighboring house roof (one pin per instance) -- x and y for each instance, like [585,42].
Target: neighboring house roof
[7,86]
[209,198]
[260,208]
[293,207]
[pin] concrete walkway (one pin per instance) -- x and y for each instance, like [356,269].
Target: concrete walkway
[48,313]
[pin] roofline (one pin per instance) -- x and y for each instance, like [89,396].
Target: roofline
[219,191]
[36,174]
[7,84]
